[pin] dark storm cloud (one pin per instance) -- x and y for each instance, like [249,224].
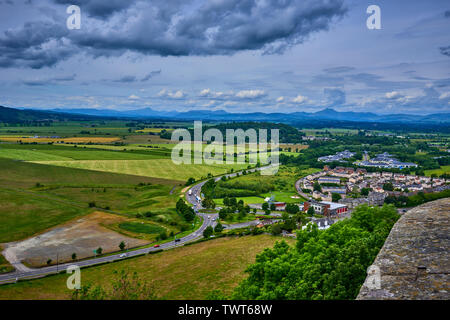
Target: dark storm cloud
[334,97]
[126,79]
[99,8]
[447,14]
[167,28]
[150,75]
[445,51]
[341,69]
[228,26]
[47,81]
[35,45]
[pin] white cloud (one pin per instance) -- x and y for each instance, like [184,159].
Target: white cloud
[280,99]
[393,95]
[250,94]
[299,99]
[213,94]
[445,95]
[172,94]
[133,97]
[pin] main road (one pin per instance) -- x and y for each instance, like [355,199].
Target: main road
[192,197]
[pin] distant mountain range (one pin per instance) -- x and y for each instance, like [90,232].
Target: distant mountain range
[328,115]
[12,115]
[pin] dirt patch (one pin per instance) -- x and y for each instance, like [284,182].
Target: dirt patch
[185,189]
[81,236]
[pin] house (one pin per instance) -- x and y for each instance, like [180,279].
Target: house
[361,171]
[340,190]
[280,206]
[326,208]
[329,180]
[264,222]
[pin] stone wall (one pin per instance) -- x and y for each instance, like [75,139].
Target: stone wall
[414,261]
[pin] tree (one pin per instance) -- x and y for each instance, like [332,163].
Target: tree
[272,207]
[208,232]
[365,191]
[265,206]
[223,214]
[276,229]
[74,256]
[335,197]
[311,211]
[218,228]
[99,250]
[318,268]
[388,186]
[122,246]
[317,187]
[292,208]
[208,203]
[289,224]
[49,261]
[124,287]
[163,235]
[190,181]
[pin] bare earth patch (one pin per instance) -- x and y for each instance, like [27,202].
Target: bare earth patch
[81,236]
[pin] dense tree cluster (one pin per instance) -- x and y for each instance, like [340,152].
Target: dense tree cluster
[415,200]
[287,133]
[231,207]
[185,211]
[328,264]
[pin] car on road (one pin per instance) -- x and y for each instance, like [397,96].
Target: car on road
[123,255]
[156,246]
[177,240]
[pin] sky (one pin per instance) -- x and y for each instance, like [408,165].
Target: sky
[232,55]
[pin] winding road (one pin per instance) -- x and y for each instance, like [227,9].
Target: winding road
[23,273]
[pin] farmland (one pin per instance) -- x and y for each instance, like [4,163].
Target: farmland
[253,188]
[35,201]
[48,183]
[164,168]
[189,272]
[442,170]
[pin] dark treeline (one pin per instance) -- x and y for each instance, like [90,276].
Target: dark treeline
[287,133]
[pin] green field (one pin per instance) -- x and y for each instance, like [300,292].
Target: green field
[189,272]
[141,227]
[438,172]
[161,168]
[254,188]
[247,200]
[64,193]
[281,196]
[23,214]
[42,152]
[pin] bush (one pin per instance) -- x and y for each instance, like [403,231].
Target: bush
[163,235]
[208,232]
[324,264]
[276,229]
